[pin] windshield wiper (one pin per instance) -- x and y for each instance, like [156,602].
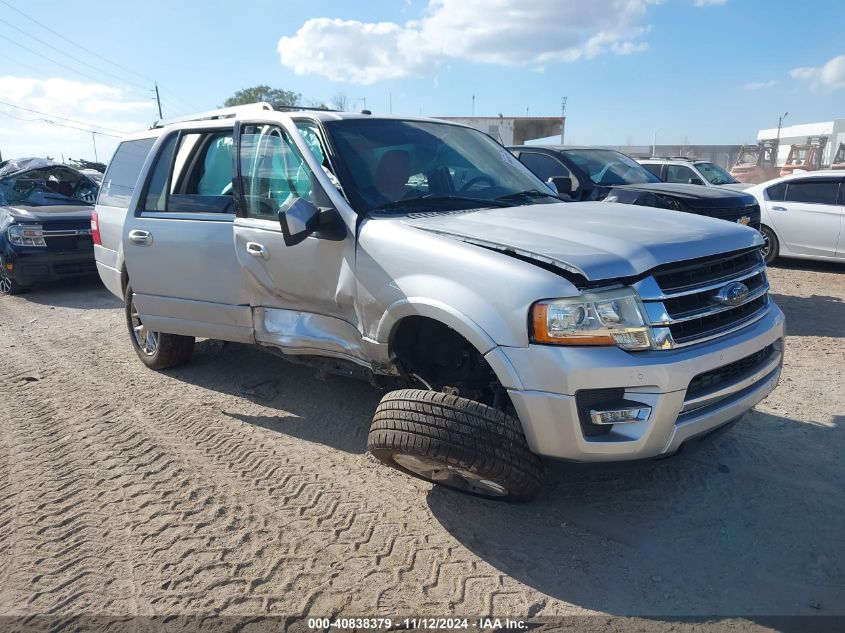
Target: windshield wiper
[529,194]
[432,199]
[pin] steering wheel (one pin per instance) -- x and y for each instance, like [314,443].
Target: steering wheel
[476,180]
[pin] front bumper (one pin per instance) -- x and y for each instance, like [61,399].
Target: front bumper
[545,380]
[39,267]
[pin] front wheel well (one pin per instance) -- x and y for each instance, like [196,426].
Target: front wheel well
[434,356]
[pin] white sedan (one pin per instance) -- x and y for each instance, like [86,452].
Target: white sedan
[802,215]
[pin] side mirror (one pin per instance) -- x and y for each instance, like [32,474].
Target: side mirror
[299,219]
[562,184]
[695,181]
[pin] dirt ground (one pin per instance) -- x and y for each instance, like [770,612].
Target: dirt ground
[240,484]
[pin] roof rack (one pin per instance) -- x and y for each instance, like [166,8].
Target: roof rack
[686,158]
[211,115]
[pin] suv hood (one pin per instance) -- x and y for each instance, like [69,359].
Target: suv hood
[697,196]
[59,212]
[601,241]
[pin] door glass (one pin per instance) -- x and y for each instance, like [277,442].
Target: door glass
[543,166]
[813,191]
[272,171]
[156,198]
[678,173]
[653,168]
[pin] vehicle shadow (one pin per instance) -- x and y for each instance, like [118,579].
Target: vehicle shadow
[85,293]
[811,265]
[284,397]
[816,315]
[737,528]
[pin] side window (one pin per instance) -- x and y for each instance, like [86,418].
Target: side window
[679,173]
[157,189]
[776,192]
[192,174]
[812,191]
[544,167]
[654,168]
[311,133]
[122,175]
[273,172]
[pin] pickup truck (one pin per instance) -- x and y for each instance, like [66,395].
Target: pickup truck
[505,324]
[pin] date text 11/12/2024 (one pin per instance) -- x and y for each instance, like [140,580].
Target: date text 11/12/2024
[486,623]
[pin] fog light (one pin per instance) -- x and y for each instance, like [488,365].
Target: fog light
[623,415]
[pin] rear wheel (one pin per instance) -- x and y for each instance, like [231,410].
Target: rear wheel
[455,442]
[155,349]
[770,244]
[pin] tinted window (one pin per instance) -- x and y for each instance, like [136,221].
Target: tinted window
[122,174]
[777,192]
[813,191]
[156,198]
[679,173]
[543,166]
[607,167]
[653,168]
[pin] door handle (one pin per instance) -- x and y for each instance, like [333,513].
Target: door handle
[778,208]
[256,250]
[144,238]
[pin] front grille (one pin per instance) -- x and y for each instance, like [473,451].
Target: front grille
[683,302]
[733,214]
[712,380]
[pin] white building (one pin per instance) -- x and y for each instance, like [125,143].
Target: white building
[796,134]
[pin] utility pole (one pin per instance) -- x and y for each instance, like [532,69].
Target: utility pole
[94,140]
[158,101]
[473,105]
[654,144]
[777,141]
[562,119]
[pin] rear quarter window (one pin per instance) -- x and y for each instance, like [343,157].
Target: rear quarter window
[122,175]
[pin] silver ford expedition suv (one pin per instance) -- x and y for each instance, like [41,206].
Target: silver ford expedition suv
[505,324]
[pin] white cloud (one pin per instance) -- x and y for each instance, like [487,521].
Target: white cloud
[759,85]
[109,110]
[709,3]
[830,76]
[499,32]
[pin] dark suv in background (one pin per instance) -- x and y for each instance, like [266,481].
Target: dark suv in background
[589,173]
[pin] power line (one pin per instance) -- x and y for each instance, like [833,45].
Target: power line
[63,118]
[72,127]
[87,50]
[76,59]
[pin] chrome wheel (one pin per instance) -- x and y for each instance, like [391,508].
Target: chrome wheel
[6,282]
[146,340]
[449,475]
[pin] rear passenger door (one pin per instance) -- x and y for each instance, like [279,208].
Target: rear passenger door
[807,214]
[179,242]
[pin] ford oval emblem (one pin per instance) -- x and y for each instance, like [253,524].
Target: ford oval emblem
[732,294]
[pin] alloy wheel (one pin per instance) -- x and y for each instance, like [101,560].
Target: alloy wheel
[146,339]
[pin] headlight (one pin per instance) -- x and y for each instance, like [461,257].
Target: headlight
[26,235]
[601,318]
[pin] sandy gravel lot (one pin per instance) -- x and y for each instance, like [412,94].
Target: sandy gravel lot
[239,484]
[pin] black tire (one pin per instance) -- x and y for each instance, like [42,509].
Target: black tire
[467,445]
[169,350]
[9,286]
[772,246]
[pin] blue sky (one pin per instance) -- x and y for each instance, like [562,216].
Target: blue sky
[708,71]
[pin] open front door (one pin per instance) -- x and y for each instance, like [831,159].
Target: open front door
[303,295]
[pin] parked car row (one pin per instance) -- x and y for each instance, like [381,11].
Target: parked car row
[507,321]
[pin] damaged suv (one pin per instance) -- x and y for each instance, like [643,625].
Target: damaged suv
[423,257]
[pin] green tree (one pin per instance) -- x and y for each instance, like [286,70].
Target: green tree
[274,96]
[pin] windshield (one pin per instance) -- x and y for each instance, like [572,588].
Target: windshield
[390,164]
[748,157]
[607,167]
[715,175]
[37,182]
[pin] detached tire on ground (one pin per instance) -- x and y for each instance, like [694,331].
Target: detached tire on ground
[155,349]
[455,442]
